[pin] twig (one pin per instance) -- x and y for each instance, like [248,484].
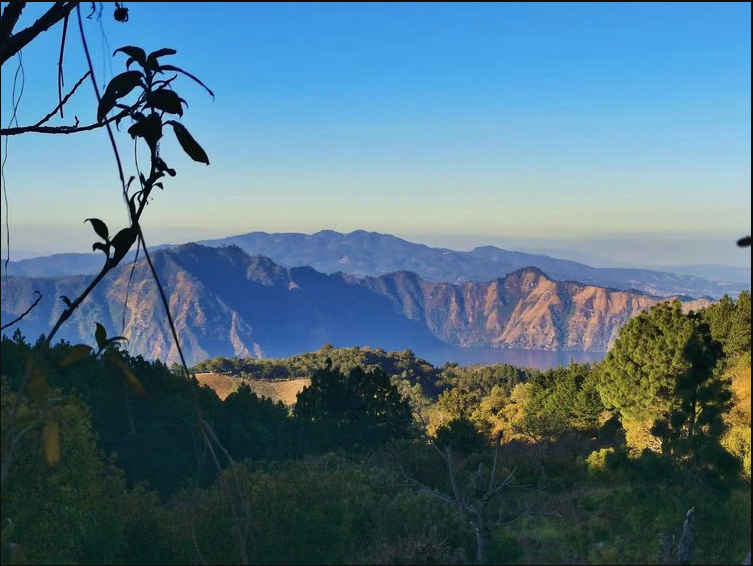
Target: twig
[62,103]
[27,311]
[61,78]
[74,129]
[128,285]
[14,118]
[426,489]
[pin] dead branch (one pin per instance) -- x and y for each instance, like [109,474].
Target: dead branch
[473,511]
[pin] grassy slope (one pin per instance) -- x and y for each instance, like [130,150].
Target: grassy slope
[284,390]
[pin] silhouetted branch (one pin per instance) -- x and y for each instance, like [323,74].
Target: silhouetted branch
[63,102]
[10,18]
[27,311]
[75,129]
[14,43]
[61,80]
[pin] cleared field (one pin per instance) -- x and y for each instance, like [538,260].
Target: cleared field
[284,390]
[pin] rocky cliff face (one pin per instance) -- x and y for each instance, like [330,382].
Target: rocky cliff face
[228,303]
[526,309]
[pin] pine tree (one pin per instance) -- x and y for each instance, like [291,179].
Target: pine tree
[664,368]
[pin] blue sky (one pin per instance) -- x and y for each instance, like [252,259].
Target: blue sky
[561,122]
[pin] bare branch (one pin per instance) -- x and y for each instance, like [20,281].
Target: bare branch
[63,102]
[507,481]
[426,489]
[27,311]
[75,129]
[10,17]
[14,43]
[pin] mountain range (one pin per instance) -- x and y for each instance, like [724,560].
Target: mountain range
[373,254]
[227,302]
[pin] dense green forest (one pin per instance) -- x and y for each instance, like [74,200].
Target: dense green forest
[386,459]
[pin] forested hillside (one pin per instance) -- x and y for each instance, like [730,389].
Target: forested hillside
[589,468]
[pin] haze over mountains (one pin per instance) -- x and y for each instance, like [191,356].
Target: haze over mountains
[373,254]
[226,302]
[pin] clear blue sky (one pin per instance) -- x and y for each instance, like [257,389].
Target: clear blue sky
[564,121]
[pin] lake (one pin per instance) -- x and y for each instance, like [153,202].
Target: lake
[539,359]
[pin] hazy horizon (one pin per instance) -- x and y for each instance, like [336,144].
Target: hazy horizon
[597,250]
[613,130]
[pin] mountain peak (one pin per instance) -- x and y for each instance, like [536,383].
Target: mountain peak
[529,273]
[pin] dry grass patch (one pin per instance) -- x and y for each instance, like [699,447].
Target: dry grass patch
[284,390]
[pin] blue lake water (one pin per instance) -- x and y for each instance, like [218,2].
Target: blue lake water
[539,359]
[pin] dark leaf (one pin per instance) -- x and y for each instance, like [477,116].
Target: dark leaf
[104,107]
[122,242]
[100,228]
[100,335]
[166,100]
[51,442]
[77,353]
[135,53]
[151,61]
[150,129]
[179,70]
[119,87]
[189,145]
[744,242]
[100,246]
[66,299]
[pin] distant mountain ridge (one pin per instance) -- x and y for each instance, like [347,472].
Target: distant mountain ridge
[373,254]
[226,302]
